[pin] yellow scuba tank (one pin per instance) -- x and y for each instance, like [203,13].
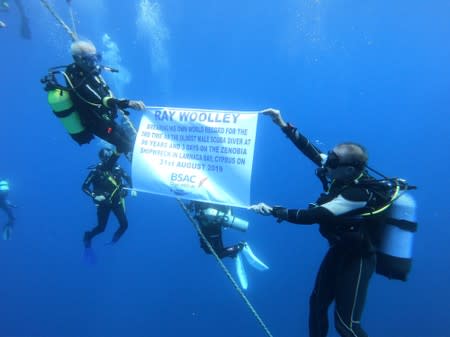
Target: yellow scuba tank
[63,108]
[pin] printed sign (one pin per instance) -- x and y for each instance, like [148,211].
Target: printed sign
[196,154]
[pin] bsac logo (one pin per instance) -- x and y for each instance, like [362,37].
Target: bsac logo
[183,178]
[186,179]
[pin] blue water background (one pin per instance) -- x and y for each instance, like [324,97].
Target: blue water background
[375,72]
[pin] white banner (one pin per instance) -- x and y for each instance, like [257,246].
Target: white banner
[196,154]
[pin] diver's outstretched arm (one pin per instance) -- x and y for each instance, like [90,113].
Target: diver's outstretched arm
[300,141]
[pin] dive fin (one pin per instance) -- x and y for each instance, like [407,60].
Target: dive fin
[241,272]
[252,259]
[89,256]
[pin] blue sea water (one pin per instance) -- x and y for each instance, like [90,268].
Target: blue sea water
[376,72]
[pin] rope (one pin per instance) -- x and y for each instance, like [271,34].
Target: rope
[127,121]
[227,273]
[72,19]
[72,35]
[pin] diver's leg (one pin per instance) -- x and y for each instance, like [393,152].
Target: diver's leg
[102,219]
[7,208]
[203,244]
[113,133]
[351,292]
[213,233]
[119,211]
[216,243]
[234,250]
[124,143]
[323,294]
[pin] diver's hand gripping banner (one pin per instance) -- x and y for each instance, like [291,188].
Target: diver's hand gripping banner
[196,154]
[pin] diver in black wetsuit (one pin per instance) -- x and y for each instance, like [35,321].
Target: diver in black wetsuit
[108,193]
[7,207]
[94,101]
[211,219]
[346,269]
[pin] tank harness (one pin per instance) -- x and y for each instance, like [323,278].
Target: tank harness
[394,237]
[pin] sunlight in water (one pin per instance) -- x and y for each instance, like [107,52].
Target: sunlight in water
[152,29]
[112,58]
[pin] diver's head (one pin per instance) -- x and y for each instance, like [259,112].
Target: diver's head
[104,154]
[85,55]
[346,162]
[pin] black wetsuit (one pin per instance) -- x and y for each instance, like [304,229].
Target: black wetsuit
[7,207]
[109,183]
[212,230]
[346,270]
[97,107]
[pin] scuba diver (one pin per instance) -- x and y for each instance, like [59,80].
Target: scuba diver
[4,7]
[6,206]
[86,105]
[25,31]
[350,212]
[212,218]
[108,181]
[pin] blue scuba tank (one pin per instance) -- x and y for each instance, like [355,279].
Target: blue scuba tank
[4,187]
[394,249]
[226,219]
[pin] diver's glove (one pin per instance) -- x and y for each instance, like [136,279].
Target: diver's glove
[99,198]
[136,105]
[281,213]
[123,103]
[261,208]
[276,117]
